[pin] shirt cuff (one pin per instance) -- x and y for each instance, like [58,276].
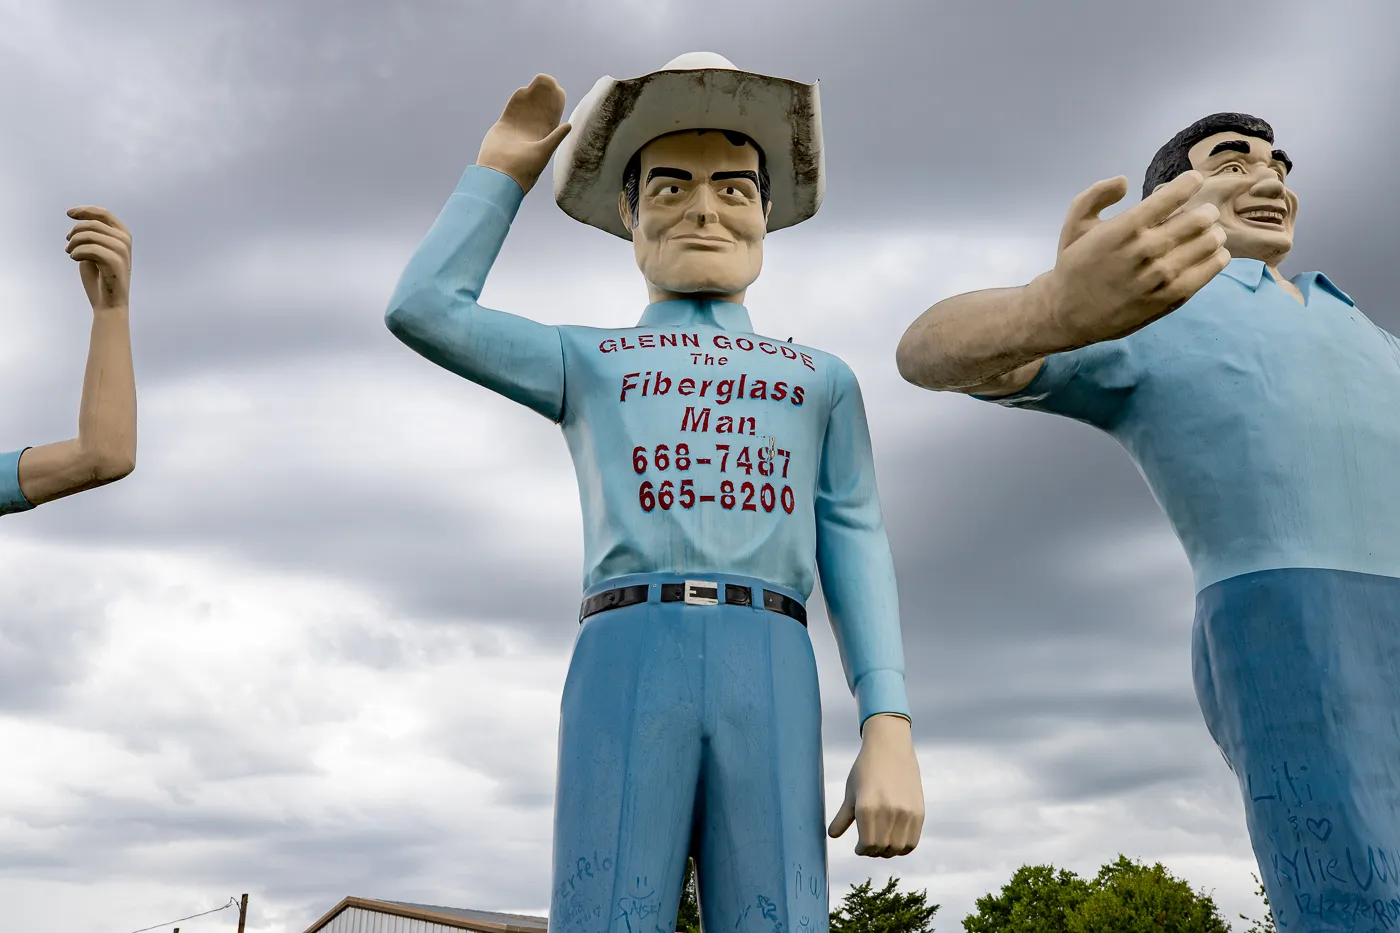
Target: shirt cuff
[881,691]
[11,499]
[495,188]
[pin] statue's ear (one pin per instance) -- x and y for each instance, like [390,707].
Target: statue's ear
[623,211]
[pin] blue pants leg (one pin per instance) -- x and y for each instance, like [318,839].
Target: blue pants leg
[690,729]
[629,760]
[1298,675]
[762,836]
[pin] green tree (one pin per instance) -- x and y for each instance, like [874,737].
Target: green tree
[1037,899]
[888,910]
[1267,924]
[1125,897]
[688,917]
[1133,898]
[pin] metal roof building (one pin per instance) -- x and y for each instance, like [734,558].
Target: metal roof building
[362,915]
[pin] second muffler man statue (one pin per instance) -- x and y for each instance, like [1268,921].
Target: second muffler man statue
[1262,412]
[720,473]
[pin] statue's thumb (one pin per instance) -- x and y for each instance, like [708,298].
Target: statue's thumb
[1084,212]
[844,818]
[552,141]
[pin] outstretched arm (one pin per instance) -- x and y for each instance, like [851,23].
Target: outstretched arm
[434,309]
[990,342]
[105,448]
[1111,278]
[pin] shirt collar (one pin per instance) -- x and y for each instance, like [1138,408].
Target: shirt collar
[1250,273]
[1307,280]
[688,312]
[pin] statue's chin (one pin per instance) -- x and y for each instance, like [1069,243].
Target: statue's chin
[701,274]
[1269,250]
[703,286]
[702,289]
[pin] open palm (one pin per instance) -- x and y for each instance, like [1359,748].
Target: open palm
[522,140]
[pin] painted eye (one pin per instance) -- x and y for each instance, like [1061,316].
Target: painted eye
[1234,167]
[670,189]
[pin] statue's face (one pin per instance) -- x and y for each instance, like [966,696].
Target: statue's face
[700,226]
[1244,178]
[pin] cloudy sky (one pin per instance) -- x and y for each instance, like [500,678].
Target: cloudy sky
[313,646]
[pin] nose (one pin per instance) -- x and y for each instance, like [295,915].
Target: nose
[703,207]
[1267,184]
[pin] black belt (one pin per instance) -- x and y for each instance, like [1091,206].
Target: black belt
[693,593]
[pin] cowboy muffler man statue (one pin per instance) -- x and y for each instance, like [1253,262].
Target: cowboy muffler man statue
[720,471]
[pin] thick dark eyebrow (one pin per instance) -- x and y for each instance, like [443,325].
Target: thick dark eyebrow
[722,176]
[1230,145]
[663,172]
[1281,156]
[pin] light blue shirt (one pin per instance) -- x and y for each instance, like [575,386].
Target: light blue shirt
[699,446]
[1269,431]
[11,499]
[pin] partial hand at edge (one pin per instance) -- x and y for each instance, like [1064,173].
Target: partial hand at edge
[521,142]
[884,792]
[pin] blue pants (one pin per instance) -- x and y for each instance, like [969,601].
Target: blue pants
[1298,674]
[690,730]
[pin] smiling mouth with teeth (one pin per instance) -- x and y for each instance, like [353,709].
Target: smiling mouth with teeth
[1263,216]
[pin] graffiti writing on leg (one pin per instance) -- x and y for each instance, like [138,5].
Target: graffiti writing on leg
[634,908]
[812,884]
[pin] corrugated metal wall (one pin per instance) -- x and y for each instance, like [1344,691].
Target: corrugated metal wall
[358,920]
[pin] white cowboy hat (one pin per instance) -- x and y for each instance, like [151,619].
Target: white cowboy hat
[698,90]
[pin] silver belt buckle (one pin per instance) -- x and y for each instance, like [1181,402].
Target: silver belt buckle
[701,593]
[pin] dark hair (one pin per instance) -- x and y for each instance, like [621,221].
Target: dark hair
[1174,158]
[632,174]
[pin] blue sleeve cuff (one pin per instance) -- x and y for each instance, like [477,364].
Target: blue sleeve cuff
[11,499]
[882,691]
[495,188]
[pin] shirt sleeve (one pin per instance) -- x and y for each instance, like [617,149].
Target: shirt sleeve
[434,309]
[1092,384]
[11,498]
[854,560]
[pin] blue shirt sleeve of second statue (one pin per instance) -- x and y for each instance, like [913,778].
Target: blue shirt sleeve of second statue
[1092,384]
[854,560]
[11,498]
[434,309]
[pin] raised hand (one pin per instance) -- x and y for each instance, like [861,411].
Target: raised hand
[101,245]
[1115,276]
[522,140]
[884,793]
[105,448]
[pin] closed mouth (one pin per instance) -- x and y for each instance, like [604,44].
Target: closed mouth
[702,239]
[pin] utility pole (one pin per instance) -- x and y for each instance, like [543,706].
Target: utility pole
[242,913]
